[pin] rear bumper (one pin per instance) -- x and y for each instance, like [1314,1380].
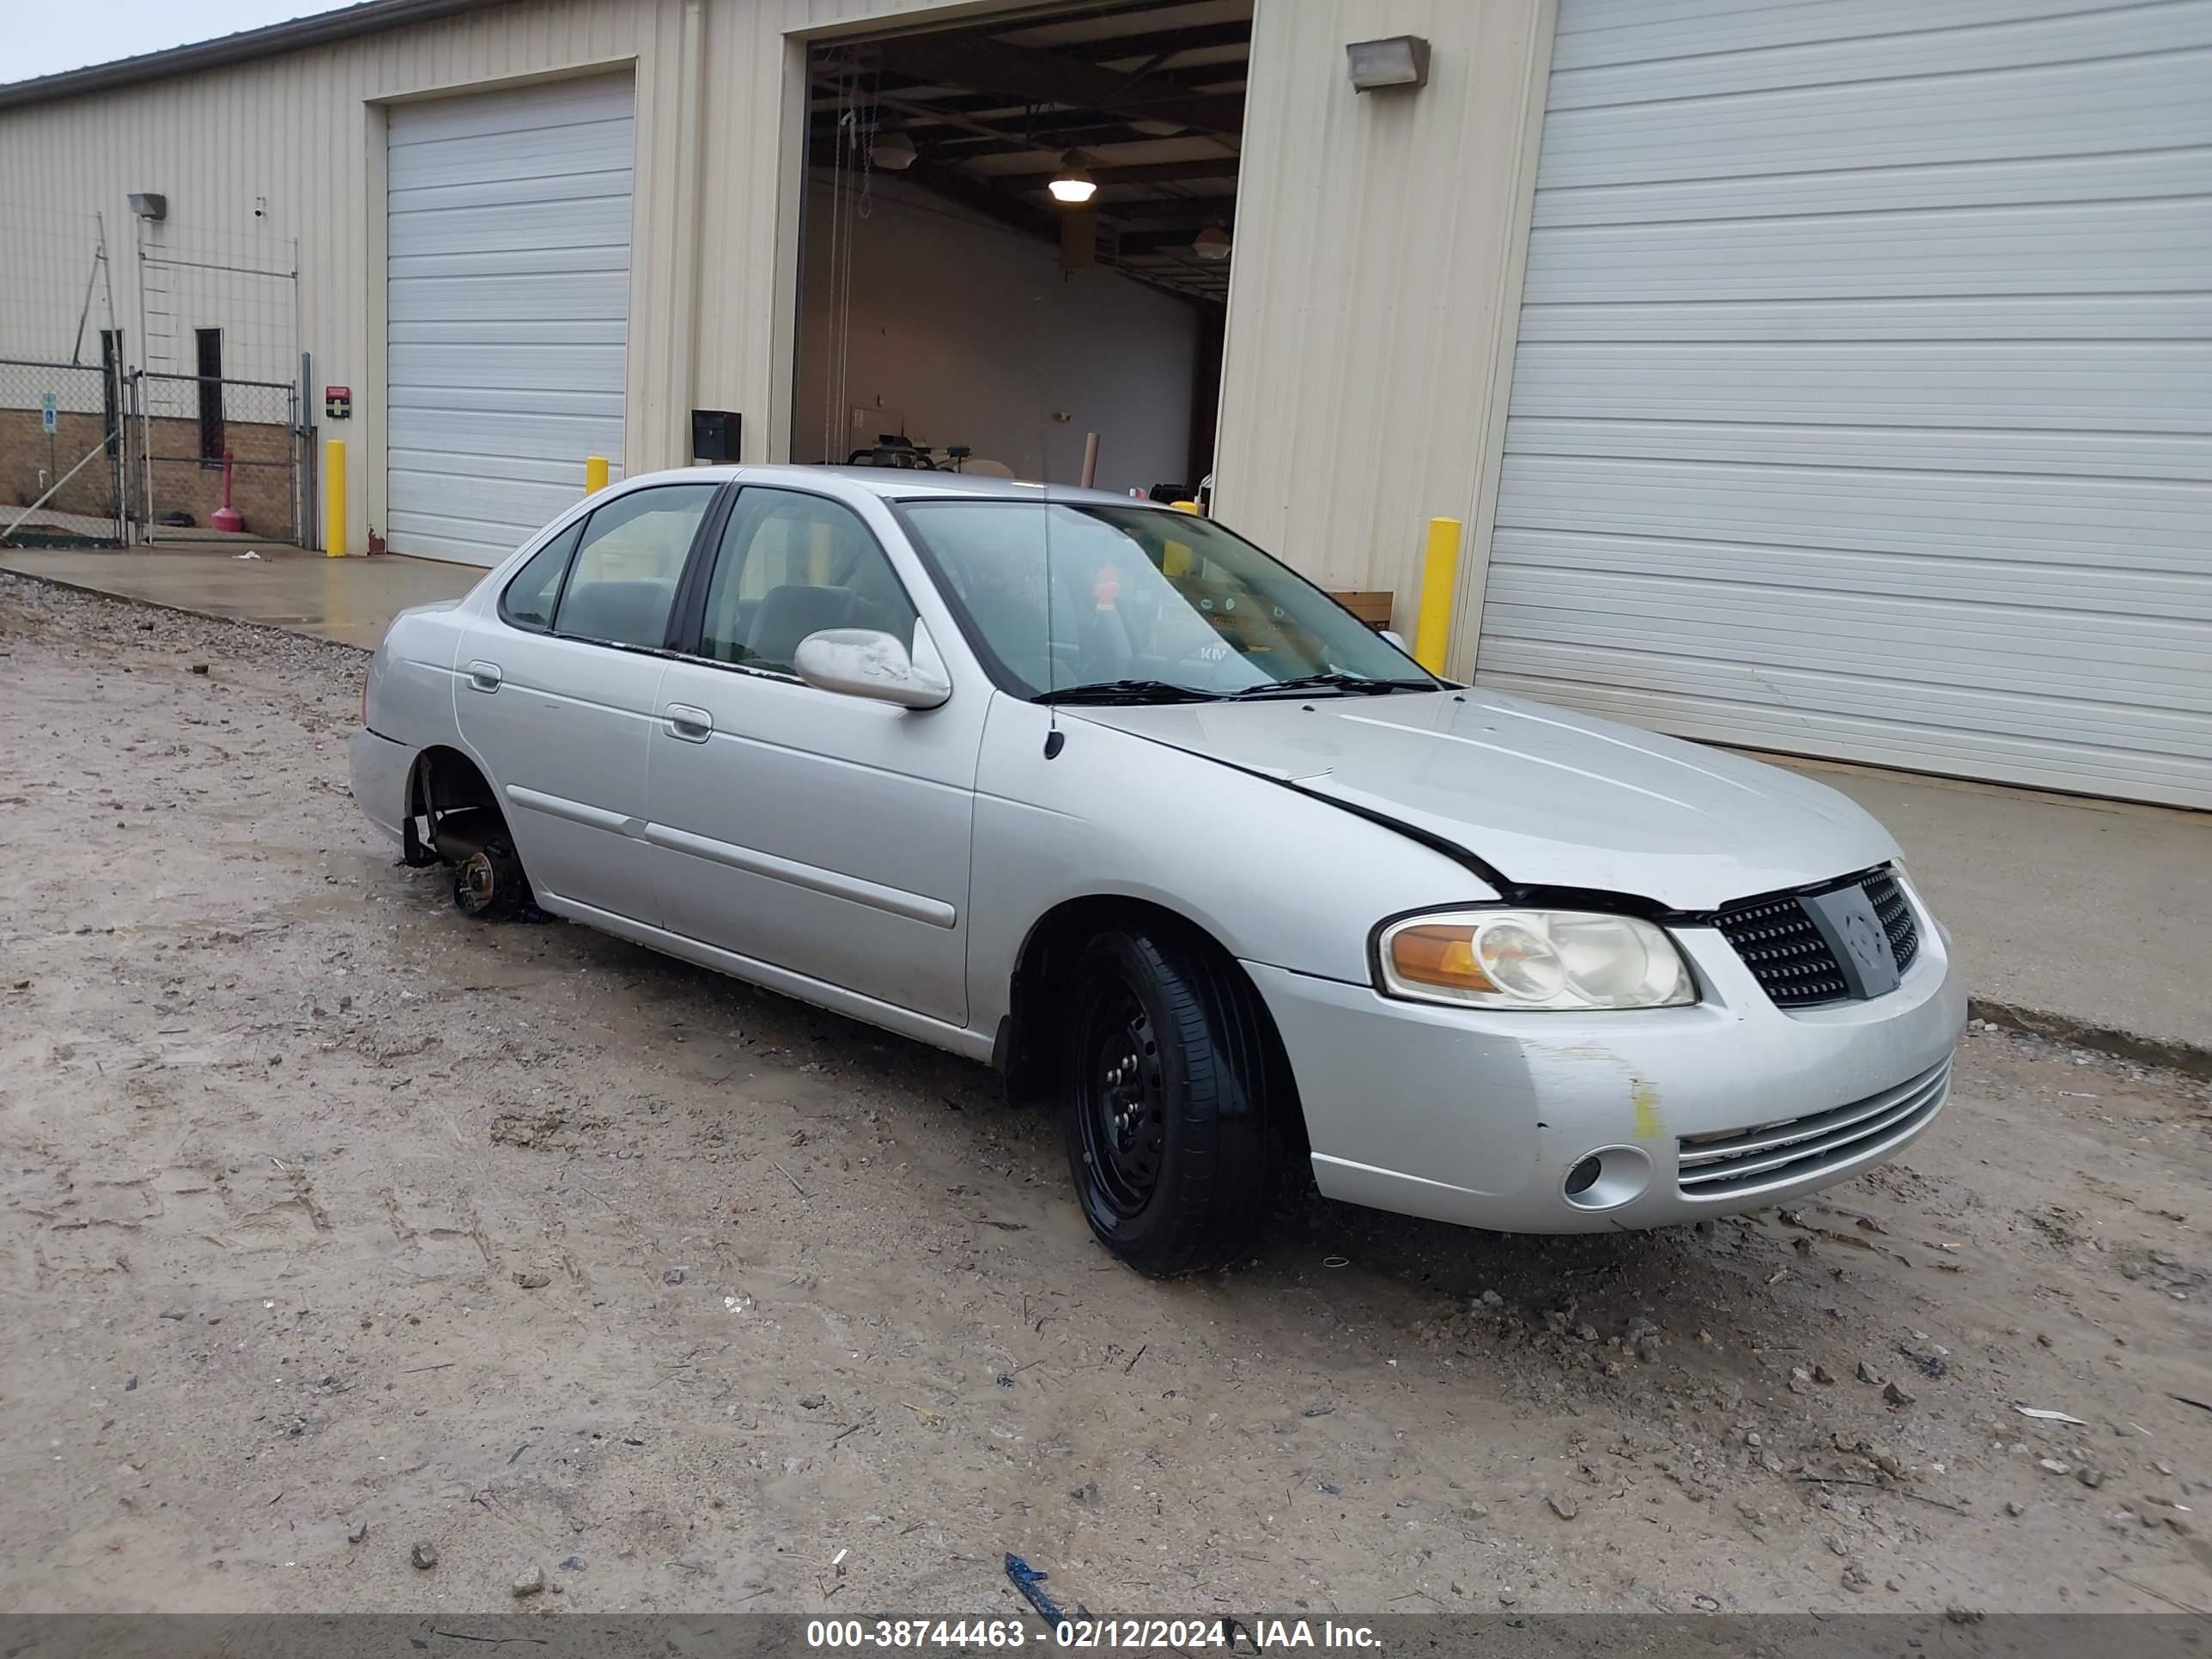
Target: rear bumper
[1476,1117]
[380,769]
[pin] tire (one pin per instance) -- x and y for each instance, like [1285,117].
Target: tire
[490,884]
[1168,1076]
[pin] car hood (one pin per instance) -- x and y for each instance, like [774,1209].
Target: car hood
[1544,797]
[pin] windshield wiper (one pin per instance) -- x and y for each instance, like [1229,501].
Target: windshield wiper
[1127,691]
[1334,683]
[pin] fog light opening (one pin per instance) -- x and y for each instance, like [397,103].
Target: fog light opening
[1608,1178]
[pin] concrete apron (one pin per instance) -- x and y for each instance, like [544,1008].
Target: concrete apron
[2083,920]
[349,601]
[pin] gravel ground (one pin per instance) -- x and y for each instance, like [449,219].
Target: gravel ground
[336,1223]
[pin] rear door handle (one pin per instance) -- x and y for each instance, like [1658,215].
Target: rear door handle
[692,725]
[483,676]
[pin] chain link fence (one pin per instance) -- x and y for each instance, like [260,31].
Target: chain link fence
[63,461]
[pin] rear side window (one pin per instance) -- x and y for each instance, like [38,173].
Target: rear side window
[624,578]
[529,599]
[611,577]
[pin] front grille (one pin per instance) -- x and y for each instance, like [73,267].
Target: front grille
[1745,1162]
[1790,957]
[1785,952]
[1888,900]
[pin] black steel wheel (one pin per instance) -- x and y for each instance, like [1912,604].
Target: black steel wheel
[1123,1107]
[1169,1074]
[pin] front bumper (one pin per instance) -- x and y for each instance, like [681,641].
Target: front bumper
[1476,1116]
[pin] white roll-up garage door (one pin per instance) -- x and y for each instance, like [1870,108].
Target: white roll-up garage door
[1862,405]
[507,310]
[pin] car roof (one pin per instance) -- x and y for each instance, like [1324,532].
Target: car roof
[905,484]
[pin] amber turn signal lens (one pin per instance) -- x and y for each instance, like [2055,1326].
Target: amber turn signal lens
[1438,954]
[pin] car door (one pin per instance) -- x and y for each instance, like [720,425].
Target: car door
[556,689]
[824,834]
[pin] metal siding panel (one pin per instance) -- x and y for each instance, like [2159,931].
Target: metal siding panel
[1375,242]
[301,138]
[460,231]
[1863,402]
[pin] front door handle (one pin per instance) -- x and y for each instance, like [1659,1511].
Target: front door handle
[692,725]
[483,676]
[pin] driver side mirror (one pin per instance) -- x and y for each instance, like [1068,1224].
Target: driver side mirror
[866,662]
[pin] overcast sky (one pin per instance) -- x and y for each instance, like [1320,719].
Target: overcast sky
[45,37]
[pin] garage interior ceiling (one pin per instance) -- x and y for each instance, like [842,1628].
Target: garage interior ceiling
[1151,96]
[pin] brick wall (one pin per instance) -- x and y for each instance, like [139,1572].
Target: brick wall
[25,449]
[261,485]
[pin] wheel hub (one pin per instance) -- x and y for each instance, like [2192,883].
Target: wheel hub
[480,879]
[1124,1116]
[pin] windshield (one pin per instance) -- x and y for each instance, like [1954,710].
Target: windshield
[1096,603]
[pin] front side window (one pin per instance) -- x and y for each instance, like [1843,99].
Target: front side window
[611,577]
[790,565]
[1140,603]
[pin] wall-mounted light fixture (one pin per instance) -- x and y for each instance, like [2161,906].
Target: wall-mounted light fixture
[147,205]
[1072,184]
[1402,60]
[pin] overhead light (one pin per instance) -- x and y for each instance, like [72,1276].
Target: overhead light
[1211,244]
[1157,129]
[892,151]
[1072,184]
[1402,60]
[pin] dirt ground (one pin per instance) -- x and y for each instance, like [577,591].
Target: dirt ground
[335,1222]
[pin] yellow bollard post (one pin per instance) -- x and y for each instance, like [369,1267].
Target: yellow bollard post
[334,498]
[1176,556]
[1439,587]
[595,474]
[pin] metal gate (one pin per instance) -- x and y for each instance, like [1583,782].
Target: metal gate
[205,443]
[214,407]
[64,432]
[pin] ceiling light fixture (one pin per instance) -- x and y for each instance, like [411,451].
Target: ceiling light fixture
[892,150]
[1212,244]
[1072,184]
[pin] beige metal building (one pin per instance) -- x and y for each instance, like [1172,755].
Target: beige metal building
[1832,377]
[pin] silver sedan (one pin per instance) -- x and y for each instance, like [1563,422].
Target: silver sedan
[1098,792]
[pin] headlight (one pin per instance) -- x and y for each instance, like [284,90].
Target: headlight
[1533,959]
